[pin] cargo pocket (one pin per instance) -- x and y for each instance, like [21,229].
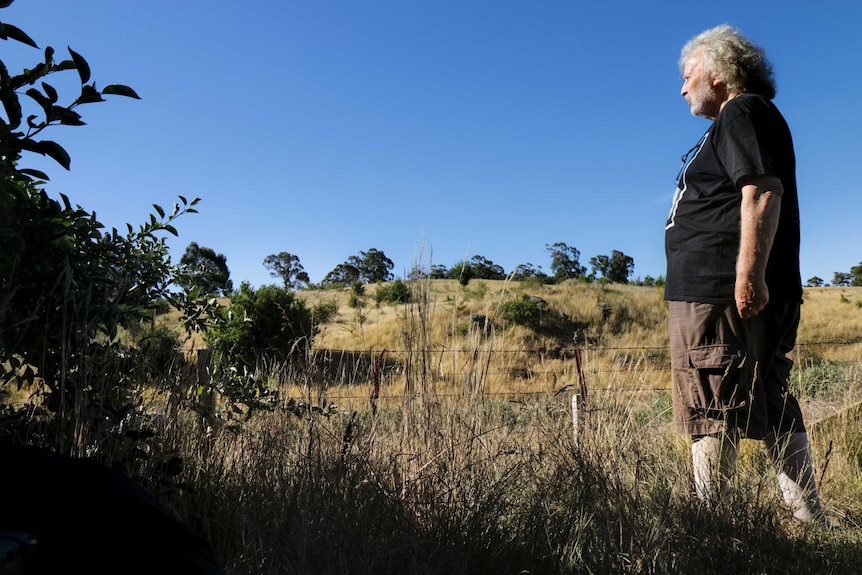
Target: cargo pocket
[719,384]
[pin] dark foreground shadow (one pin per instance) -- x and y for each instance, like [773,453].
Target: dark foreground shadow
[65,515]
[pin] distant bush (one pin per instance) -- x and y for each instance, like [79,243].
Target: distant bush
[357,292]
[395,292]
[525,310]
[264,326]
[324,311]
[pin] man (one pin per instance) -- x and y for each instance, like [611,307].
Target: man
[733,281]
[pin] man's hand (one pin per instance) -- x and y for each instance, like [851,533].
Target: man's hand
[751,297]
[760,208]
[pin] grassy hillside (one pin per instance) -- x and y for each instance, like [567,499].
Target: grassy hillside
[592,314]
[619,332]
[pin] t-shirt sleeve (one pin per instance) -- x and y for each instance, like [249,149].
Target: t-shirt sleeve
[744,148]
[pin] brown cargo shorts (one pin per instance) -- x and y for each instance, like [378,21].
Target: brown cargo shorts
[732,374]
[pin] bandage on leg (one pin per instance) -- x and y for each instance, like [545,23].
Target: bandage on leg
[714,461]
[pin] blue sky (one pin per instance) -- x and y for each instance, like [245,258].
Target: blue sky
[431,130]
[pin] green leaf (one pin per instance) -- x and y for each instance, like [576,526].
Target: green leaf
[12,106]
[53,150]
[64,65]
[50,92]
[35,173]
[89,94]
[159,209]
[47,105]
[81,65]
[9,31]
[171,229]
[67,117]
[120,90]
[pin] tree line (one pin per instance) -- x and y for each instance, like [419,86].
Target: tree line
[840,279]
[205,268]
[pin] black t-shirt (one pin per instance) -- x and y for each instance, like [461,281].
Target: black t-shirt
[749,137]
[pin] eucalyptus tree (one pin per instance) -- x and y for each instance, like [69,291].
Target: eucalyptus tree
[202,267]
[286,266]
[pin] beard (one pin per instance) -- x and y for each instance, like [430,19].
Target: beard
[704,103]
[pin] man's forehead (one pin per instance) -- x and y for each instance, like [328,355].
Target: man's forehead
[693,59]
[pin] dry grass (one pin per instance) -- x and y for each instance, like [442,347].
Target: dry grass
[456,452]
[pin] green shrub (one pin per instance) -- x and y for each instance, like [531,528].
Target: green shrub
[266,326]
[357,292]
[525,310]
[323,312]
[395,292]
[67,283]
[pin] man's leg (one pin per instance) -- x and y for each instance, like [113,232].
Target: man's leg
[788,444]
[714,461]
[790,453]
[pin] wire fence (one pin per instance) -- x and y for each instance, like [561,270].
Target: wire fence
[517,374]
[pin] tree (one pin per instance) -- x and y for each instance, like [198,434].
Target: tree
[343,274]
[287,267]
[856,272]
[66,285]
[617,268]
[485,269]
[814,282]
[528,271]
[435,272]
[202,267]
[462,271]
[841,279]
[565,262]
[373,266]
[600,265]
[477,267]
[370,267]
[438,272]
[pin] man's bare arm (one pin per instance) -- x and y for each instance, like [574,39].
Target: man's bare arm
[761,206]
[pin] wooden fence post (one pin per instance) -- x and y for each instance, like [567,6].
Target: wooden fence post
[579,400]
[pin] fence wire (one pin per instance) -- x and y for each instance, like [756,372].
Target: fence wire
[601,370]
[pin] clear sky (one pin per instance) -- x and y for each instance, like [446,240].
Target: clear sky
[431,130]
